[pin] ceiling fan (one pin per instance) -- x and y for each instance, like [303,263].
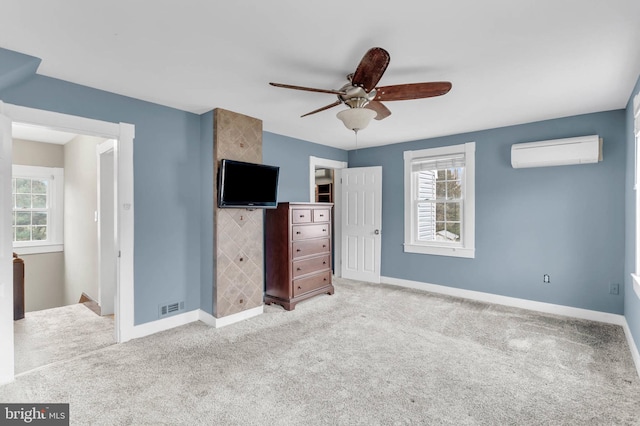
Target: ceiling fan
[362,96]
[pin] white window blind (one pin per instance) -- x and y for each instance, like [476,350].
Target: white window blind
[426,211]
[437,163]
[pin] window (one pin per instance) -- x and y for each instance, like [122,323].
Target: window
[37,209]
[636,186]
[439,201]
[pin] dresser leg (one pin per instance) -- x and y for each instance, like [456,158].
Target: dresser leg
[289,306]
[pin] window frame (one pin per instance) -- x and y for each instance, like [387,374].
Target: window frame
[466,246]
[55,209]
[636,186]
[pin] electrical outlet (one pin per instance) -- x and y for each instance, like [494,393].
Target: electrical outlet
[614,288]
[546,279]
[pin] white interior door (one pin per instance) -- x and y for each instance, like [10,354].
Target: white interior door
[107,256]
[361,223]
[6,254]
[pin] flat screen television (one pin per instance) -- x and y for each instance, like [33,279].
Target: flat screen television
[247,185]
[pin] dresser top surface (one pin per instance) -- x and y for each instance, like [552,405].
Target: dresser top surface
[303,204]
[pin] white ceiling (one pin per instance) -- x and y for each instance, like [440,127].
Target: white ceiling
[510,62]
[40,134]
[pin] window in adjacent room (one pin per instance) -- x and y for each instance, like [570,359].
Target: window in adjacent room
[439,200]
[636,186]
[37,198]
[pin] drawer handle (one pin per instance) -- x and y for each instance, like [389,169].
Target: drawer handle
[298,232]
[298,269]
[324,246]
[321,215]
[298,250]
[324,279]
[324,263]
[299,288]
[324,230]
[301,215]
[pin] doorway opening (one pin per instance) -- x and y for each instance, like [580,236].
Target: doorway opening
[325,182]
[123,135]
[56,222]
[329,172]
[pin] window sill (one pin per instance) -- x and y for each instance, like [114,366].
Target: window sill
[636,284]
[465,252]
[52,248]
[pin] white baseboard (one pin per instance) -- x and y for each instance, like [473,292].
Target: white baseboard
[209,319]
[548,308]
[632,345]
[153,327]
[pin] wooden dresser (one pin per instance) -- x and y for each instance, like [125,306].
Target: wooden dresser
[298,252]
[18,287]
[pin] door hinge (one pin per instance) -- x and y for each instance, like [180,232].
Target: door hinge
[119,253]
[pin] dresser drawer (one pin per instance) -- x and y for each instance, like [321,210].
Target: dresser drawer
[308,266]
[321,215]
[304,285]
[309,247]
[300,216]
[302,232]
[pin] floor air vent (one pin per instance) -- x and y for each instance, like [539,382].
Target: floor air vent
[171,309]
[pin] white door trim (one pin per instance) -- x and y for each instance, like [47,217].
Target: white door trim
[105,146]
[124,133]
[6,265]
[337,202]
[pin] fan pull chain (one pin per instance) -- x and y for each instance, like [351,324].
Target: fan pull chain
[356,132]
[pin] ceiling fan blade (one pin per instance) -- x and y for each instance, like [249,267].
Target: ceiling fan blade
[308,89]
[370,69]
[403,92]
[381,110]
[336,103]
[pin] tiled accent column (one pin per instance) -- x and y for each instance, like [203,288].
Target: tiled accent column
[238,233]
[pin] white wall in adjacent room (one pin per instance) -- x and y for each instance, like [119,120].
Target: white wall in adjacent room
[80,227]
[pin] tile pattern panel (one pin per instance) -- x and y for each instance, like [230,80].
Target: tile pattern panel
[238,233]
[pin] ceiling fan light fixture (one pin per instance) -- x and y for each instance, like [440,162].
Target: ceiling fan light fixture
[356,118]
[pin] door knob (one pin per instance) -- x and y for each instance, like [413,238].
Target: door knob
[377,232]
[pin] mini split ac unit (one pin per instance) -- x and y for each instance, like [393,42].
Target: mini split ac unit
[557,152]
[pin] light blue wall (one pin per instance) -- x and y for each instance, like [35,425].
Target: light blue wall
[631,301]
[16,67]
[292,156]
[167,189]
[565,221]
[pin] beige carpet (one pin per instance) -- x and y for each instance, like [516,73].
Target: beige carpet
[368,355]
[58,334]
